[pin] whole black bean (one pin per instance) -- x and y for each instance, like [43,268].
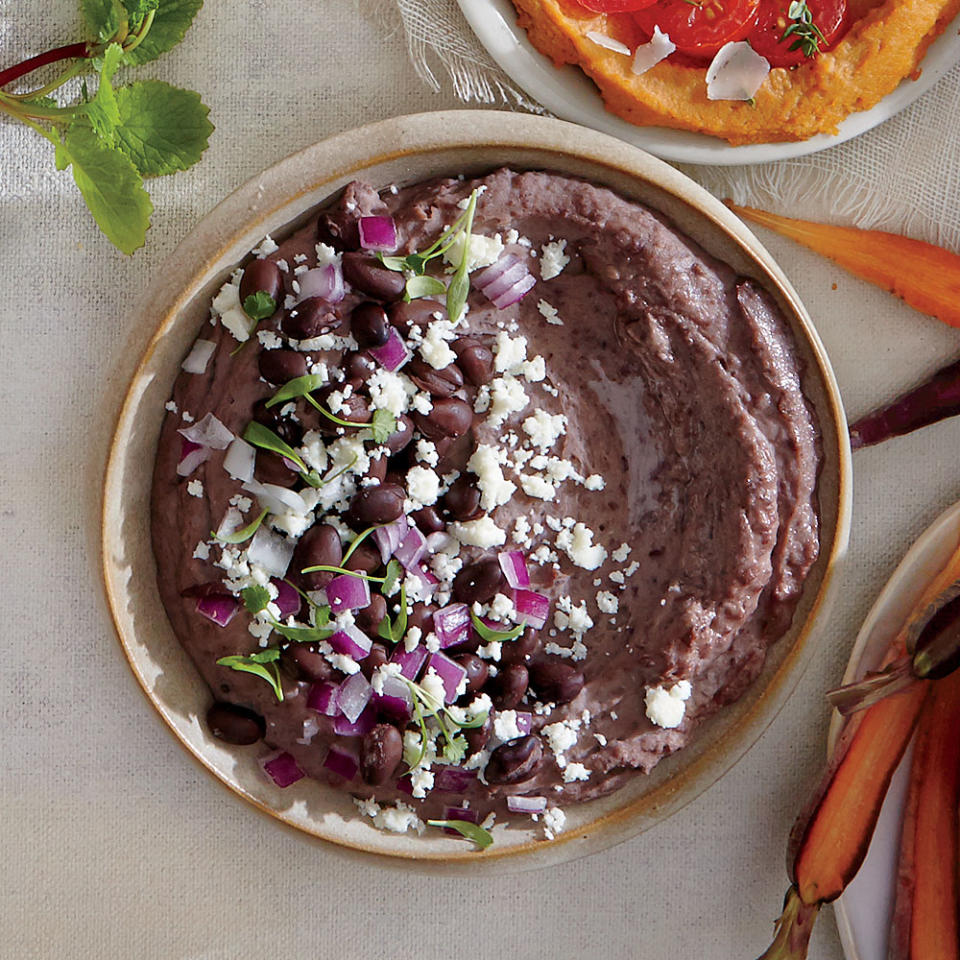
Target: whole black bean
[509,686]
[306,663]
[271,468]
[285,428]
[377,657]
[261,275]
[450,417]
[353,408]
[475,360]
[478,582]
[358,366]
[308,319]
[438,383]
[380,753]
[517,651]
[428,520]
[370,617]
[555,680]
[377,469]
[401,436]
[477,737]
[514,761]
[279,366]
[377,504]
[462,500]
[234,724]
[366,559]
[319,546]
[339,229]
[369,325]
[369,276]
[476,671]
[417,312]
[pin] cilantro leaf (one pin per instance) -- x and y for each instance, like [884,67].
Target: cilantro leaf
[255,597]
[298,387]
[162,128]
[423,286]
[102,111]
[171,22]
[102,17]
[245,533]
[455,750]
[465,828]
[110,185]
[489,635]
[383,425]
[261,665]
[260,305]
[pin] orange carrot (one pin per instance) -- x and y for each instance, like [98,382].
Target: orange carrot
[926,276]
[925,925]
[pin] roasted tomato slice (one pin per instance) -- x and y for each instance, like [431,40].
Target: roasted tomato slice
[826,16]
[616,6]
[700,29]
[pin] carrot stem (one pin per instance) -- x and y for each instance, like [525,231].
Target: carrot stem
[793,929]
[926,276]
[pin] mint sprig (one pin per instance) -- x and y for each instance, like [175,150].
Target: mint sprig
[116,137]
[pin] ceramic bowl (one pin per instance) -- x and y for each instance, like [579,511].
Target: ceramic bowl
[176,304]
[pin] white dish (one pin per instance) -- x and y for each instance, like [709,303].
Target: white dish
[570,94]
[863,912]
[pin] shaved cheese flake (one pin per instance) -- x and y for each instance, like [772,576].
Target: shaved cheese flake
[648,55]
[608,43]
[736,73]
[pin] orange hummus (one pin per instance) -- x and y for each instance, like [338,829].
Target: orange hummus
[884,45]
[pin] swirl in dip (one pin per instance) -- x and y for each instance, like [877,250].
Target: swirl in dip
[599,498]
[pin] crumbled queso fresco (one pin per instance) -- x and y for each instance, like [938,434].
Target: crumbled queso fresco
[404,533]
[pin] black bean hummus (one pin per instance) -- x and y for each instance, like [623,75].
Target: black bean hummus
[596,488]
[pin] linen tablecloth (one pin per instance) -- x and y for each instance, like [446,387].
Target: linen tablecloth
[115,843]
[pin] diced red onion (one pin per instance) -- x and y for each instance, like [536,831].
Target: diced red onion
[323,697]
[199,356]
[290,465]
[240,459]
[426,582]
[282,769]
[191,456]
[354,694]
[532,608]
[517,292]
[393,354]
[454,779]
[347,593]
[287,599]
[208,432]
[342,762]
[450,673]
[396,701]
[219,609]
[388,538]
[501,276]
[356,728]
[524,722]
[490,275]
[411,661]
[514,568]
[458,813]
[452,624]
[325,282]
[378,233]
[412,549]
[276,499]
[351,641]
[526,804]
[270,551]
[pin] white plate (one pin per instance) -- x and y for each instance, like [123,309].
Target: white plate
[570,94]
[863,912]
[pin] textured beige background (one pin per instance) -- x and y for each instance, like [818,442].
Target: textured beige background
[115,844]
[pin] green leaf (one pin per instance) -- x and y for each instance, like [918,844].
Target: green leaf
[239,536]
[137,10]
[103,112]
[383,425]
[393,263]
[162,128]
[172,20]
[266,439]
[110,185]
[455,750]
[298,387]
[466,829]
[423,287]
[392,578]
[102,17]
[304,634]
[255,597]
[457,295]
[260,305]
[260,666]
[489,635]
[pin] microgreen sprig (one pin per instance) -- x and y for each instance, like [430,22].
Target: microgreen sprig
[394,631]
[426,705]
[482,838]
[119,136]
[264,438]
[245,533]
[262,664]
[489,635]
[808,37]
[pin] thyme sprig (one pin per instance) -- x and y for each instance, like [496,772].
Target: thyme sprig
[807,35]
